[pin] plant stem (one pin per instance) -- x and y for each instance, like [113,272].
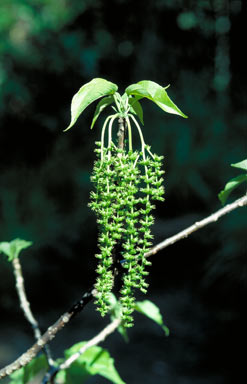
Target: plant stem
[25,305]
[110,130]
[110,328]
[140,134]
[30,354]
[120,134]
[103,135]
[64,319]
[198,225]
[129,133]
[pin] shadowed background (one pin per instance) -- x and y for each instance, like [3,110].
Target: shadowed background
[48,50]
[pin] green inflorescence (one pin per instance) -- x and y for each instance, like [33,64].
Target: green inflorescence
[126,184]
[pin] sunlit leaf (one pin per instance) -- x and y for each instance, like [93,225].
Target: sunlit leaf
[136,107]
[13,248]
[230,186]
[241,165]
[149,309]
[95,361]
[87,94]
[102,104]
[155,93]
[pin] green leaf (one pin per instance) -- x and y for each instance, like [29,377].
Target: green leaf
[115,313]
[230,186]
[95,361]
[87,94]
[17,377]
[241,165]
[76,374]
[37,366]
[149,309]
[136,108]
[102,104]
[14,247]
[155,93]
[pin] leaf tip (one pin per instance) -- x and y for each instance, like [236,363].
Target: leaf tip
[66,129]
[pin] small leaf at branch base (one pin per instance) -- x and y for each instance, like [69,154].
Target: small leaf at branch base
[94,361]
[155,93]
[230,186]
[87,94]
[103,103]
[136,108]
[149,309]
[14,247]
[115,313]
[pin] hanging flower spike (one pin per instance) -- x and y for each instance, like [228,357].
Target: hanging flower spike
[126,183]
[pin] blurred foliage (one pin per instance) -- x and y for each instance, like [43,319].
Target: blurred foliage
[49,48]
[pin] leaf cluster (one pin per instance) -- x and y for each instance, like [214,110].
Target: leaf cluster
[234,182]
[98,88]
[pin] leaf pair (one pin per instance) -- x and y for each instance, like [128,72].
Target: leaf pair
[98,88]
[235,182]
[13,248]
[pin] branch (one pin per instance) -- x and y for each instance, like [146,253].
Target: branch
[110,328]
[198,225]
[25,305]
[120,134]
[64,319]
[28,356]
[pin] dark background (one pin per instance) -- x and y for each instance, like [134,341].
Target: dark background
[48,50]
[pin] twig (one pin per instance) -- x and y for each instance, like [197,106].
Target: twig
[198,225]
[64,319]
[47,336]
[110,328]
[25,305]
[121,131]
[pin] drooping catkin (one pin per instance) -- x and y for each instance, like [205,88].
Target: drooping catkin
[125,185]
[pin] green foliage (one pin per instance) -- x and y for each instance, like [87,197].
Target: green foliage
[126,184]
[149,309]
[234,183]
[13,248]
[155,93]
[94,361]
[98,88]
[103,103]
[87,94]
[115,311]
[145,307]
[241,165]
[37,367]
